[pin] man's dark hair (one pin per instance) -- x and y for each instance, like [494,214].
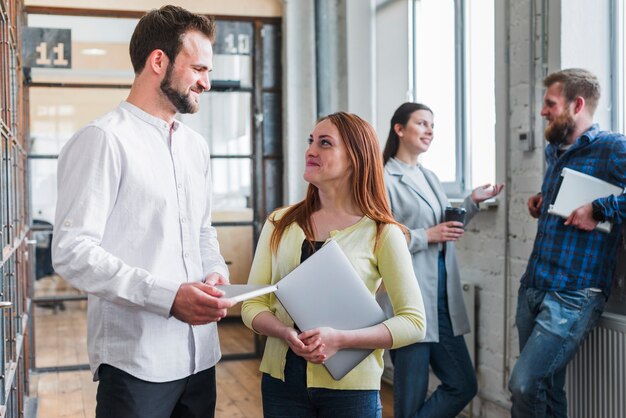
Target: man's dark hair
[577,82]
[164,29]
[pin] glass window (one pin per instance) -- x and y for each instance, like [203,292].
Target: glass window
[225,121]
[53,121]
[43,186]
[55,115]
[435,81]
[619,68]
[232,186]
[454,76]
[480,108]
[232,60]
[99,49]
[617,301]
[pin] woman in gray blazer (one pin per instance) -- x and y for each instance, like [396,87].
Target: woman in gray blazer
[418,201]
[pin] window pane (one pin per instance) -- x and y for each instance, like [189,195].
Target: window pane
[233,53]
[435,80]
[273,185]
[480,81]
[57,113]
[232,187]
[621,66]
[271,56]
[272,129]
[99,49]
[43,185]
[225,122]
[617,301]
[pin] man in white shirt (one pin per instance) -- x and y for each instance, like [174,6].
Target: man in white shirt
[133,230]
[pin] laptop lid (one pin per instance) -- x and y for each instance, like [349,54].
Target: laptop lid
[326,290]
[576,189]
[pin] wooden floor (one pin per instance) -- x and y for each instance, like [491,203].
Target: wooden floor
[60,340]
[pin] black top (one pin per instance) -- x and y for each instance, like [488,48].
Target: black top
[308,250]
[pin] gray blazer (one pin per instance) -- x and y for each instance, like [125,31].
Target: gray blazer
[409,207]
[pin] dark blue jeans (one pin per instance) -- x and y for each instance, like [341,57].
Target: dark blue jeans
[450,361]
[292,398]
[551,326]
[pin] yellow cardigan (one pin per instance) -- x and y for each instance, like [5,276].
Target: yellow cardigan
[391,261]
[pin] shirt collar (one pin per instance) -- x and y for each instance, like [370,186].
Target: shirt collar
[148,118]
[590,135]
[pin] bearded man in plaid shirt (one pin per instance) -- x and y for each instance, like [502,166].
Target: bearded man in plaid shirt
[568,277]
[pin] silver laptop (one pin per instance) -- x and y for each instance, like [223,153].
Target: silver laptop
[326,290]
[576,189]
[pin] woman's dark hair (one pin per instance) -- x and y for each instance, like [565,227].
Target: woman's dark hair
[400,116]
[164,29]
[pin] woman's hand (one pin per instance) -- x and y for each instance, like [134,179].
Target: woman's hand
[309,350]
[445,231]
[486,191]
[329,340]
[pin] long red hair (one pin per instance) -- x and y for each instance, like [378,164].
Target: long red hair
[368,187]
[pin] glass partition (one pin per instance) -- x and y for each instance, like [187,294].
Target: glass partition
[99,52]
[57,113]
[245,146]
[225,121]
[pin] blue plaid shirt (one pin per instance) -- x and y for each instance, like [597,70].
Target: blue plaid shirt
[565,257]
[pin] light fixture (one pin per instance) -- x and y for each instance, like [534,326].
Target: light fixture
[94,51]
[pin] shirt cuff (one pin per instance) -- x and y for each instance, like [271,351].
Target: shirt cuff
[162,297]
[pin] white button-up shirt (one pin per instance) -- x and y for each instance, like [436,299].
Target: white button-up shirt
[133,222]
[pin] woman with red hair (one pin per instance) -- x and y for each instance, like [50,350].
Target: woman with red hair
[346,202]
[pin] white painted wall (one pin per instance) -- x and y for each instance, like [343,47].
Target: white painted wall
[299,95]
[361,58]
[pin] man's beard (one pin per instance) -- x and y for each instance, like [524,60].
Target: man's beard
[181,101]
[560,128]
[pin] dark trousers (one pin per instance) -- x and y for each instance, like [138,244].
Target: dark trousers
[449,360]
[121,395]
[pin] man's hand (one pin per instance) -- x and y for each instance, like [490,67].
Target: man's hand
[582,218]
[214,279]
[534,205]
[200,303]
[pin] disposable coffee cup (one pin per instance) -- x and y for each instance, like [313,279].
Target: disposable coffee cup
[454,214]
